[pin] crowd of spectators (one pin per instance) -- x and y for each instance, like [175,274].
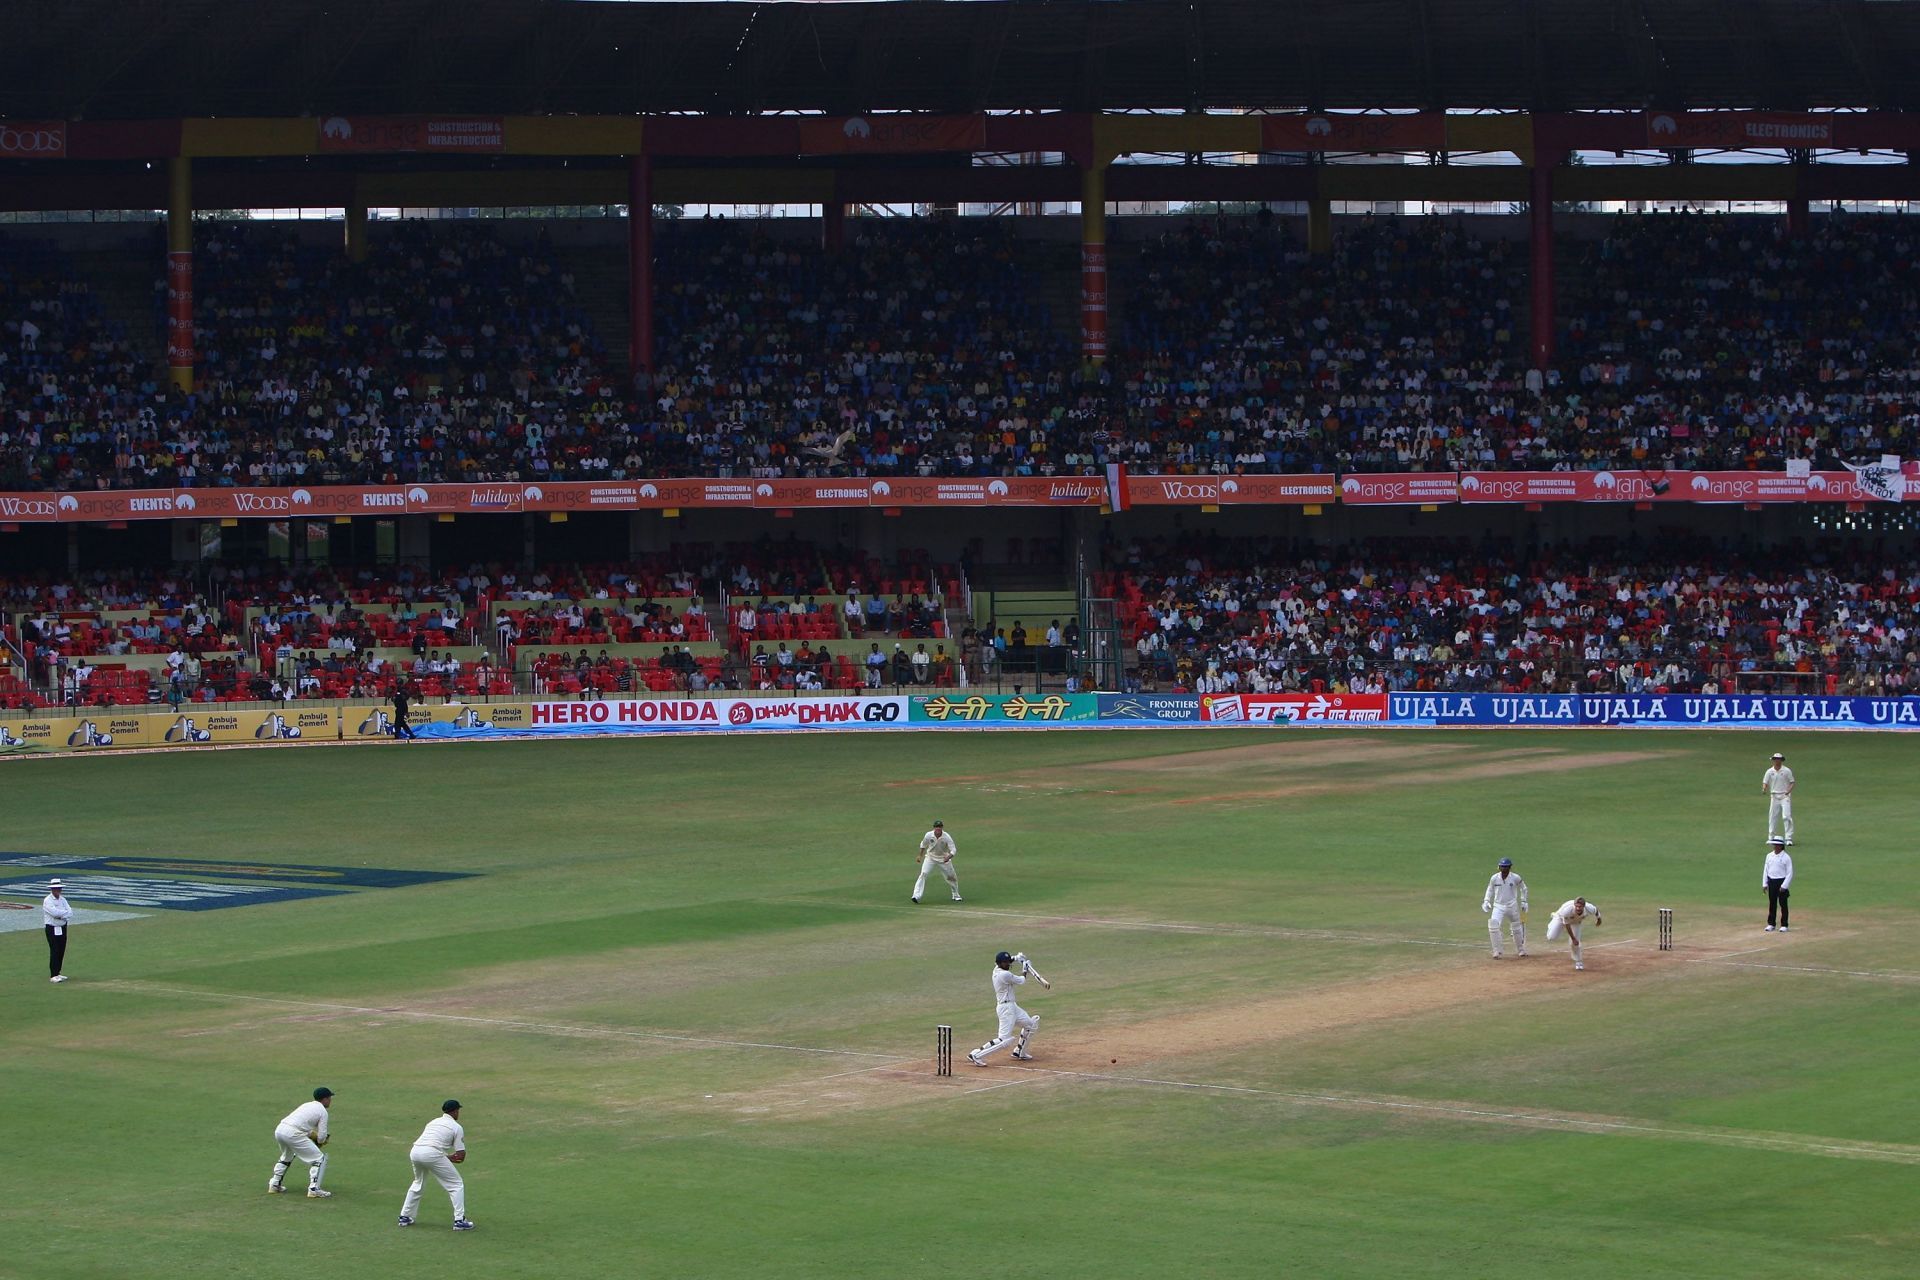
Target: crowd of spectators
[1223,615]
[277,632]
[926,347]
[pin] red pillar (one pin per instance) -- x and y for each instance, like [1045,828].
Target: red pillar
[833,226]
[180,272]
[640,263]
[1540,217]
[1798,210]
[1093,264]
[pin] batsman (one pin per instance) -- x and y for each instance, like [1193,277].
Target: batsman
[1010,970]
[1506,903]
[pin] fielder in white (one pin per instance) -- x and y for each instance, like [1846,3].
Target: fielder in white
[440,1146]
[1506,903]
[936,850]
[1567,922]
[1777,785]
[1012,1017]
[301,1135]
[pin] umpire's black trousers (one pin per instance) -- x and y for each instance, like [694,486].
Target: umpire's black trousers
[56,951]
[1776,900]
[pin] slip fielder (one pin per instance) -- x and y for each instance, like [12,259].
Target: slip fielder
[1777,784]
[1567,922]
[1506,902]
[936,850]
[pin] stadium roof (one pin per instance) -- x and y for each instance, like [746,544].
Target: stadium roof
[139,59]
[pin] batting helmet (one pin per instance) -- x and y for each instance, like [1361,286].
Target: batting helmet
[1004,959]
[1506,862]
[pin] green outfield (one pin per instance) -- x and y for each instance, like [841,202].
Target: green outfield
[690,1010]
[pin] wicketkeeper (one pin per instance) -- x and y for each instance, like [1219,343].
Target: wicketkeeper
[301,1135]
[1506,903]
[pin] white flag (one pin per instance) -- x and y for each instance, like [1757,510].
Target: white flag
[1881,483]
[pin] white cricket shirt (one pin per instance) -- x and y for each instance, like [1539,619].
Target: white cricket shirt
[308,1117]
[442,1136]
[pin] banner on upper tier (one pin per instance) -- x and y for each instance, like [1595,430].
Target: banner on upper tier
[1772,711]
[1880,483]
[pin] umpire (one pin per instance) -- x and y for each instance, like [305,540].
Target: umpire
[57,912]
[402,696]
[1776,876]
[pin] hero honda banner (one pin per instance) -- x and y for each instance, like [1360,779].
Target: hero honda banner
[614,715]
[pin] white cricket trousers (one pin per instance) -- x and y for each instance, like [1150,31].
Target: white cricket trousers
[296,1145]
[1780,818]
[927,864]
[1508,916]
[1558,928]
[431,1160]
[1012,1017]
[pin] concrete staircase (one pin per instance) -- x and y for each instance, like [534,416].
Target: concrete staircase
[600,283]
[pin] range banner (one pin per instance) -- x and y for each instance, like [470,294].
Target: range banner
[1399,489]
[892,134]
[1354,131]
[1293,708]
[440,134]
[1567,709]
[1739,130]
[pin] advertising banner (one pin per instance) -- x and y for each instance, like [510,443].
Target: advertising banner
[613,715]
[1093,300]
[180,309]
[1354,131]
[1293,708]
[1735,130]
[1773,711]
[989,491]
[33,139]
[788,494]
[76,733]
[1483,708]
[441,134]
[1033,710]
[1755,712]
[1150,708]
[1399,489]
[1870,484]
[1266,490]
[890,134]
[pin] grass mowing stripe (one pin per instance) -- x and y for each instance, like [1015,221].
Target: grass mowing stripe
[1887,1152]
[509,1024]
